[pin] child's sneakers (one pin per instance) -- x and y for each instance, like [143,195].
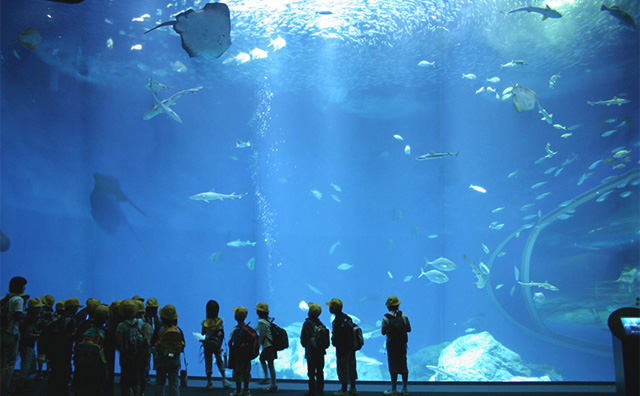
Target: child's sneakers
[405,391]
[271,389]
[264,381]
[209,386]
[225,383]
[390,392]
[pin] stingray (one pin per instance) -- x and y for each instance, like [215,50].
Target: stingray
[105,203]
[524,99]
[205,32]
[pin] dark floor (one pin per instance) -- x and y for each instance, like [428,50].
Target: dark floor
[290,388]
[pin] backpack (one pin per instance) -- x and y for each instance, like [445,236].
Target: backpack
[397,329]
[171,341]
[134,345]
[213,340]
[320,337]
[279,337]
[356,338]
[4,311]
[89,353]
[245,342]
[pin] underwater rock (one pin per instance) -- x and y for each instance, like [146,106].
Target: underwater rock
[479,357]
[291,362]
[4,242]
[417,362]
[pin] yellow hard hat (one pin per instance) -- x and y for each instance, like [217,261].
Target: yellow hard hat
[72,302]
[262,307]
[314,310]
[335,303]
[392,301]
[101,312]
[152,302]
[240,313]
[48,301]
[168,312]
[35,302]
[128,309]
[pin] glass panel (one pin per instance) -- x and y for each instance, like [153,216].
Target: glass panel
[478,160]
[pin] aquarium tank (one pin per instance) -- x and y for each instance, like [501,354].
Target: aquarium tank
[476,159]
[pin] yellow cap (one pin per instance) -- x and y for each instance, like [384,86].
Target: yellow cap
[240,313]
[168,312]
[392,301]
[35,303]
[335,303]
[128,308]
[60,306]
[101,312]
[92,303]
[137,297]
[262,307]
[314,310]
[48,301]
[140,306]
[152,302]
[72,302]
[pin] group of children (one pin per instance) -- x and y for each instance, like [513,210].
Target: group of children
[87,339]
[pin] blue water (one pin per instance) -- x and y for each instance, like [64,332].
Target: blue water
[324,110]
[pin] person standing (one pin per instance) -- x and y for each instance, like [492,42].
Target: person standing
[342,338]
[315,340]
[168,341]
[12,313]
[395,325]
[268,354]
[213,332]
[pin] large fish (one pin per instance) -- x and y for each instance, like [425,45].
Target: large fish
[105,199]
[433,155]
[621,15]
[205,32]
[524,99]
[546,12]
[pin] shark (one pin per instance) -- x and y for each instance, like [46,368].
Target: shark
[615,101]
[546,12]
[433,155]
[164,106]
[239,243]
[214,196]
[543,285]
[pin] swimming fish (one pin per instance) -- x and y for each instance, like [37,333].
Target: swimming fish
[314,289]
[204,32]
[426,63]
[615,101]
[434,276]
[499,286]
[398,137]
[333,247]
[485,248]
[433,155]
[251,264]
[621,15]
[30,38]
[477,188]
[538,297]
[496,210]
[441,263]
[538,185]
[316,194]
[277,44]
[609,133]
[241,144]
[303,306]
[214,196]
[514,63]
[546,12]
[524,99]
[407,150]
[484,269]
[336,198]
[493,80]
[543,285]
[469,76]
[239,243]
[345,266]
[407,278]
[481,281]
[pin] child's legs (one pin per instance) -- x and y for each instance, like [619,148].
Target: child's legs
[208,363]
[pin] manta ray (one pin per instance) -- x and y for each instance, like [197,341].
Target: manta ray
[105,203]
[205,32]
